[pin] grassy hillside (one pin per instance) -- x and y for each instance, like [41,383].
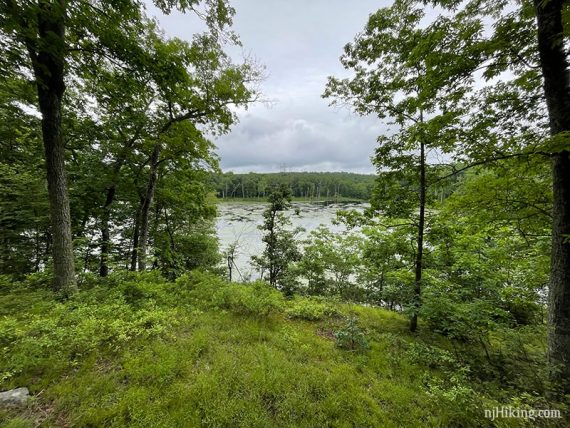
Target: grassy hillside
[137,351]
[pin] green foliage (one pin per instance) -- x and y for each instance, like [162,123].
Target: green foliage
[24,224]
[135,114]
[134,350]
[59,336]
[386,263]
[460,321]
[209,291]
[192,245]
[199,286]
[280,242]
[434,357]
[317,186]
[328,263]
[350,336]
[258,298]
[311,309]
[406,73]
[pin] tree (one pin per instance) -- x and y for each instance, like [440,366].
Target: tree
[24,222]
[280,246]
[554,65]
[388,252]
[411,75]
[51,38]
[302,184]
[41,29]
[142,85]
[329,261]
[196,85]
[525,51]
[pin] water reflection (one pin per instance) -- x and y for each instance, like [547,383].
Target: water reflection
[238,223]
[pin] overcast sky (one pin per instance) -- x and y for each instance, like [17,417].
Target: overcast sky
[299,42]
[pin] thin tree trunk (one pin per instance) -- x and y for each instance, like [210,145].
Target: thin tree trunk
[105,232]
[420,249]
[145,209]
[169,231]
[38,255]
[271,251]
[135,252]
[554,65]
[48,60]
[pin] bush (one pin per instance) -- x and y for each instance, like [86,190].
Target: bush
[432,357]
[463,406]
[208,291]
[141,293]
[38,280]
[350,336]
[57,336]
[461,321]
[257,299]
[311,310]
[198,287]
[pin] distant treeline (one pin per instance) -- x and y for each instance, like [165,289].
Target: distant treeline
[310,185]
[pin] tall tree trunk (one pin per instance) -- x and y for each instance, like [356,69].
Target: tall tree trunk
[420,241]
[554,65]
[136,233]
[145,209]
[47,54]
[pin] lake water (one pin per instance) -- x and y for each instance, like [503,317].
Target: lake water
[238,222]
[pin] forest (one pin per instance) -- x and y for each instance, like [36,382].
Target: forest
[317,186]
[443,302]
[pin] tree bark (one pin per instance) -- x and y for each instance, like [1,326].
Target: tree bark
[420,241]
[145,209]
[47,54]
[554,64]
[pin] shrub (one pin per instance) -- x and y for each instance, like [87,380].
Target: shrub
[208,291]
[199,288]
[311,310]
[39,280]
[458,404]
[431,356]
[257,299]
[350,336]
[58,335]
[461,321]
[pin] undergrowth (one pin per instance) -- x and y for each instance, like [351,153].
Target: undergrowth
[135,350]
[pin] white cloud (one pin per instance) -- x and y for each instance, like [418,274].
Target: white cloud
[299,42]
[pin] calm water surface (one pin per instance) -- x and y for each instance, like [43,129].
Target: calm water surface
[238,222]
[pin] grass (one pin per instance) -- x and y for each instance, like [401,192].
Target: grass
[137,351]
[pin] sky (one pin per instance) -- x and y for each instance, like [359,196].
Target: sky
[299,42]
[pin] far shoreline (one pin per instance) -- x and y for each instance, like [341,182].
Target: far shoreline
[339,200]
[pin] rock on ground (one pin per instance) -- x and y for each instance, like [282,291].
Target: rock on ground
[14,398]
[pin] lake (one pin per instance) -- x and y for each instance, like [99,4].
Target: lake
[239,221]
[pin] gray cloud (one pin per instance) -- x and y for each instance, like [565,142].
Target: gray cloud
[299,42]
